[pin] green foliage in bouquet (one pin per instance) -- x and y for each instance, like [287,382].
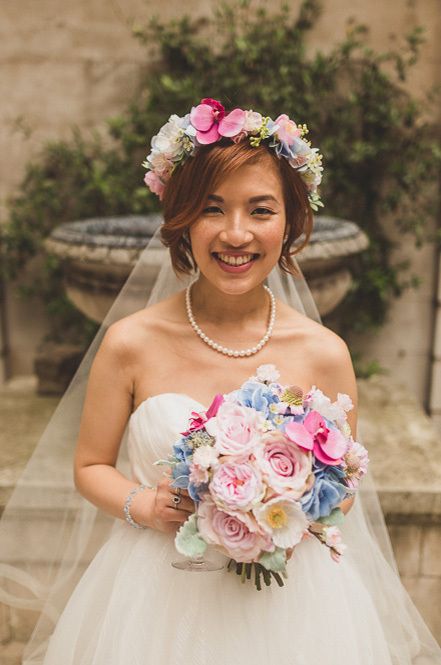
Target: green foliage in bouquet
[381,152]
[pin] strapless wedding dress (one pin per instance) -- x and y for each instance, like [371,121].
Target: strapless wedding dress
[131,607]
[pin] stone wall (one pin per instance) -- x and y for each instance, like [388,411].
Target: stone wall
[67,64]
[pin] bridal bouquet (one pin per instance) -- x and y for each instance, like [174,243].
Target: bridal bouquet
[267,466]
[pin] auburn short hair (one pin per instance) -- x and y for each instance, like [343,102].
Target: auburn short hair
[186,191]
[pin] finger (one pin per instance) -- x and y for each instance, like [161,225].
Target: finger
[173,515]
[185,504]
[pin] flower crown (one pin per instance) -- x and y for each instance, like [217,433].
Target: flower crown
[207,123]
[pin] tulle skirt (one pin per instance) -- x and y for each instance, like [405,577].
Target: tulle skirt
[131,607]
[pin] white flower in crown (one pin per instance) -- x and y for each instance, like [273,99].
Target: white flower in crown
[253,121]
[267,373]
[169,139]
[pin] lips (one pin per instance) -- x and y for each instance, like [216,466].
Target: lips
[235,262]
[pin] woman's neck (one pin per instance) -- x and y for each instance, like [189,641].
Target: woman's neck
[211,304]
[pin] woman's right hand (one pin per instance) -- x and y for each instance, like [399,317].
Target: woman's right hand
[159,512]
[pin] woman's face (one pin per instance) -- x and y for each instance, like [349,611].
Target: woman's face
[238,238]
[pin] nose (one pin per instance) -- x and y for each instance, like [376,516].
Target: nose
[236,230]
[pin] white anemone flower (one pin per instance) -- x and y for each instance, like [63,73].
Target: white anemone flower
[283,519]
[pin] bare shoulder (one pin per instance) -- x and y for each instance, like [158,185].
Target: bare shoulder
[132,334]
[329,361]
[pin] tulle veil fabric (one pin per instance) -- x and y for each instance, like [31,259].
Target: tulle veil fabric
[49,533]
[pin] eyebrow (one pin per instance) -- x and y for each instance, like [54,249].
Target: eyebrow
[253,199]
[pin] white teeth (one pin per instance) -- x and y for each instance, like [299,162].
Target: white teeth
[235,260]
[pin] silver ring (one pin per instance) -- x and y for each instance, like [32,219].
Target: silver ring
[176,500]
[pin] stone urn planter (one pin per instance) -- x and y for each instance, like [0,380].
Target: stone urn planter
[98,255]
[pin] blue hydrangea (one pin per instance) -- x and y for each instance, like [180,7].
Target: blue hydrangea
[196,491]
[182,451]
[328,491]
[180,474]
[256,395]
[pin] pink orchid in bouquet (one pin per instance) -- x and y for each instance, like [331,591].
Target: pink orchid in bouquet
[267,466]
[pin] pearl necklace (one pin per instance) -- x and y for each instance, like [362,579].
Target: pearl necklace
[223,349]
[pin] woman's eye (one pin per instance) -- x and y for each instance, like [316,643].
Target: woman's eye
[212,209]
[263,211]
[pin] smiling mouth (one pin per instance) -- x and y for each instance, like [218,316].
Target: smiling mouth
[231,260]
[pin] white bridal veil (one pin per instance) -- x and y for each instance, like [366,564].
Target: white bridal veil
[49,533]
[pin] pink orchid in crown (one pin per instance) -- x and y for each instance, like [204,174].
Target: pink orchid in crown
[198,420]
[210,121]
[328,445]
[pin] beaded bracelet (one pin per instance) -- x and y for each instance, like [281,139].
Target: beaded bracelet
[128,502]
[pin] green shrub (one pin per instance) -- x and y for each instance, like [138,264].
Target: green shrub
[381,150]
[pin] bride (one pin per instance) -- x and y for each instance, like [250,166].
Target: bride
[237,190]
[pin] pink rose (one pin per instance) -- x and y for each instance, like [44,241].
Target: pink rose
[284,465]
[237,429]
[236,486]
[328,445]
[287,130]
[154,183]
[239,536]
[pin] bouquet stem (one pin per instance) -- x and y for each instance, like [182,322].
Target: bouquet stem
[245,571]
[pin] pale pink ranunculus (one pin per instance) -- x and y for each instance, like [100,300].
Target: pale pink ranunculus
[285,466]
[236,486]
[154,183]
[329,445]
[237,429]
[288,130]
[239,538]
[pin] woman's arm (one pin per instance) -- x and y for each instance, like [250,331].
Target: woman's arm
[107,407]
[338,376]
